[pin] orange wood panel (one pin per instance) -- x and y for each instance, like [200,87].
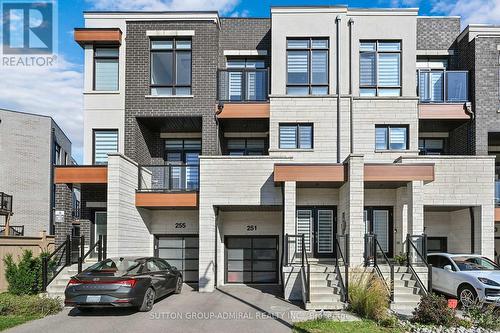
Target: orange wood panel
[497,214]
[159,200]
[443,111]
[91,36]
[309,172]
[244,111]
[398,172]
[81,175]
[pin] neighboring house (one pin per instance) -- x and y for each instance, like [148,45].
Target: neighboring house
[209,139]
[30,146]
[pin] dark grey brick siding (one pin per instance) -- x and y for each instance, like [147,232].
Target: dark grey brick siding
[63,203]
[141,143]
[437,33]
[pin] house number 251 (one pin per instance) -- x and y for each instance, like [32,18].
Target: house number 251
[251,228]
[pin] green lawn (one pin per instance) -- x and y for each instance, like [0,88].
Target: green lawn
[14,320]
[330,326]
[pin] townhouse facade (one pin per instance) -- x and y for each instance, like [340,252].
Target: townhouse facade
[242,150]
[30,146]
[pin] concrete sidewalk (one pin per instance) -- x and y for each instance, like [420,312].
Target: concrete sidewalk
[231,309]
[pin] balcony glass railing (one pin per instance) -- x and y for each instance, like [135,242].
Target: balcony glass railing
[171,177]
[243,85]
[497,193]
[442,86]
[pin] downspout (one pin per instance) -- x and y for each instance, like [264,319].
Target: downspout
[337,21]
[472,230]
[351,150]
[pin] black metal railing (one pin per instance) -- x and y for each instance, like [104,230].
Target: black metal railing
[342,255]
[243,85]
[169,177]
[416,256]
[71,251]
[375,257]
[5,203]
[442,86]
[14,230]
[288,260]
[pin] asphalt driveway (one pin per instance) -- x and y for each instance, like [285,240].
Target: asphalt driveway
[230,309]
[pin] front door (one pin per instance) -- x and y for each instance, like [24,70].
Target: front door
[319,226]
[379,221]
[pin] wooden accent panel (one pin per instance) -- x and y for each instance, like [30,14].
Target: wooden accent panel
[81,175]
[159,200]
[95,36]
[497,214]
[443,111]
[245,111]
[309,172]
[398,172]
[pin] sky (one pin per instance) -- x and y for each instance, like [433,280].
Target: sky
[57,90]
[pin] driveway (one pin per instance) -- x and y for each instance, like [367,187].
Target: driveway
[230,309]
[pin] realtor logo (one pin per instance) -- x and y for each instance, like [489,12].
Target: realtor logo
[28,27]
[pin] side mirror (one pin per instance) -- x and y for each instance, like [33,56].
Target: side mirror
[448,268]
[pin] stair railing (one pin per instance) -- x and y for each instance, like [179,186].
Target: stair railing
[100,245]
[55,262]
[288,259]
[344,255]
[374,252]
[412,252]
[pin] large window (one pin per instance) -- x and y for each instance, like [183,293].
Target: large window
[105,142]
[245,79]
[246,147]
[106,68]
[307,66]
[390,137]
[380,68]
[431,146]
[296,136]
[171,67]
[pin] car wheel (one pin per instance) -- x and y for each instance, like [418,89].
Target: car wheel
[467,296]
[149,300]
[178,286]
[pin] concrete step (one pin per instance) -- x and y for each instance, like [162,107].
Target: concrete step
[322,269]
[324,297]
[405,283]
[403,276]
[325,306]
[402,298]
[406,290]
[404,306]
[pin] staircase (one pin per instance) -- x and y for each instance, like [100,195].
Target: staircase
[57,287]
[407,292]
[325,288]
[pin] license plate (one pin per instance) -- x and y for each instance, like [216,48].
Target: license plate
[93,299]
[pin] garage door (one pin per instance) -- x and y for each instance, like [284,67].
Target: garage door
[251,259]
[181,252]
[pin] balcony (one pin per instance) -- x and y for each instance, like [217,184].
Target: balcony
[5,204]
[442,86]
[168,186]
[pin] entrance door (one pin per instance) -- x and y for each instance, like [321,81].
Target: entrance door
[319,226]
[379,221]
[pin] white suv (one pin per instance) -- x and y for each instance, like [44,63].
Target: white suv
[465,276]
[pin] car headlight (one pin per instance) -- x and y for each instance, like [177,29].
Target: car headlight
[488,282]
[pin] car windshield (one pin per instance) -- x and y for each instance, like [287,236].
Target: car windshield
[117,266]
[475,264]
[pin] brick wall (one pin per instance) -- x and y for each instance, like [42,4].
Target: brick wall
[63,203]
[437,33]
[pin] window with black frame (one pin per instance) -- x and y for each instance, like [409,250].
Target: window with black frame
[246,147]
[431,146]
[307,66]
[171,67]
[391,137]
[295,136]
[380,68]
[182,164]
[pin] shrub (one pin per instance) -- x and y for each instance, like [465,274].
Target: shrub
[23,277]
[368,296]
[485,316]
[433,310]
[401,259]
[28,305]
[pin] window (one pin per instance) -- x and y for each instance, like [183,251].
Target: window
[390,137]
[182,156]
[244,147]
[431,146]
[106,68]
[105,142]
[307,66]
[296,136]
[57,156]
[170,67]
[380,68]
[246,79]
